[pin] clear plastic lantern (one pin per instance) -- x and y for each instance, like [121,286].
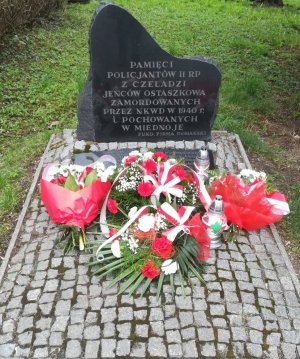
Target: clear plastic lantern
[202,163]
[215,221]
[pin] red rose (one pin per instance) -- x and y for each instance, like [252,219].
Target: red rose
[130,159]
[150,270]
[180,172]
[145,189]
[160,156]
[149,165]
[162,247]
[59,180]
[112,206]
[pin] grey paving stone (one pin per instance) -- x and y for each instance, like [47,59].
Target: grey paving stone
[206,334]
[274,339]
[156,347]
[239,334]
[255,323]
[56,339]
[25,338]
[41,338]
[140,314]
[91,349]
[109,330]
[217,309]
[41,353]
[188,333]
[289,351]
[108,348]
[6,350]
[60,324]
[175,350]
[184,303]
[208,350]
[125,314]
[108,315]
[190,349]
[256,336]
[25,324]
[92,332]
[138,350]
[173,336]
[255,350]
[223,336]
[157,328]
[186,319]
[73,349]
[141,330]
[124,330]
[123,347]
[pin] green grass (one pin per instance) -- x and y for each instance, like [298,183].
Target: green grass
[43,69]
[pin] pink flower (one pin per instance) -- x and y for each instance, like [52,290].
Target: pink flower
[161,156]
[130,159]
[59,180]
[149,165]
[180,172]
[112,206]
[145,189]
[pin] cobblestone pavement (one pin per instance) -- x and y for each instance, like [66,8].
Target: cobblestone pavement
[51,308]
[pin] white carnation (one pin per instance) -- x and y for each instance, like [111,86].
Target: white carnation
[146,223]
[169,266]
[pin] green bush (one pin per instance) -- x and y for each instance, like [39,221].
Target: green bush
[14,13]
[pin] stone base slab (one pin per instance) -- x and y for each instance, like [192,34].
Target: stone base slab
[50,307]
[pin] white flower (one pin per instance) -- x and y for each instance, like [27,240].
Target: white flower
[172,161]
[115,249]
[252,175]
[147,155]
[146,223]
[169,266]
[132,212]
[135,153]
[108,172]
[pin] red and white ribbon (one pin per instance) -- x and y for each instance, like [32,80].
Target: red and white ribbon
[279,203]
[179,219]
[166,182]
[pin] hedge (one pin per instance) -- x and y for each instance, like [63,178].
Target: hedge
[14,13]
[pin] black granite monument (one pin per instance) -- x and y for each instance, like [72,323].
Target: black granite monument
[138,92]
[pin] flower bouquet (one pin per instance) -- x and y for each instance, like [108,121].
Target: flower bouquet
[73,195]
[249,202]
[151,219]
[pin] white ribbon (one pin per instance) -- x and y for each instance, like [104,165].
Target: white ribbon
[180,226]
[122,230]
[279,206]
[163,186]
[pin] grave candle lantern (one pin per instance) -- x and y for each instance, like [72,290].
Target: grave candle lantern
[202,163]
[216,222]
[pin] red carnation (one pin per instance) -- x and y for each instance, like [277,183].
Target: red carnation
[59,180]
[189,178]
[162,247]
[150,270]
[130,159]
[88,170]
[180,172]
[113,231]
[112,206]
[149,165]
[161,156]
[145,189]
